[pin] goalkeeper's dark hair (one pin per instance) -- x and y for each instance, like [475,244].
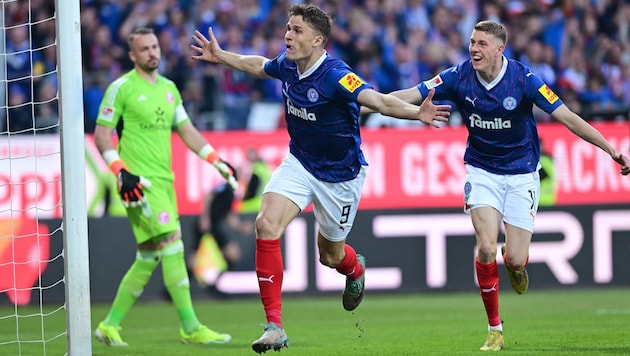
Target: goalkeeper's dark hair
[317,18]
[138,32]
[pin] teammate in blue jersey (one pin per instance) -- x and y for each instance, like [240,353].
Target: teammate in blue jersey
[325,165]
[495,96]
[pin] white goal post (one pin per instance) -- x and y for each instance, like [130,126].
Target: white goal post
[44,254]
[75,232]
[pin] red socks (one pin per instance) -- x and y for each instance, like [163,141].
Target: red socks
[488,278]
[350,266]
[270,270]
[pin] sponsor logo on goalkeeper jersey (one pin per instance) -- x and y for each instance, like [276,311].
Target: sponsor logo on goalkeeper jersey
[548,93]
[107,113]
[433,82]
[302,113]
[495,124]
[351,82]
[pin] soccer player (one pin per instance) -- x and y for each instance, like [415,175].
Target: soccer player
[496,95]
[144,107]
[325,165]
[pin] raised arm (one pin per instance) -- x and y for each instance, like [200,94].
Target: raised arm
[209,50]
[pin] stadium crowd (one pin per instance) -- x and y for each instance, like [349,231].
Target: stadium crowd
[581,48]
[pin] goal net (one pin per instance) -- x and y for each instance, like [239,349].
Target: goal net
[44,270]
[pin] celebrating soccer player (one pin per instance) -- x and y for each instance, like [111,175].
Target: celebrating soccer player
[495,96]
[325,165]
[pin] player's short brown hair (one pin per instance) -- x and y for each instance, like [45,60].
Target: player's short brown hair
[317,18]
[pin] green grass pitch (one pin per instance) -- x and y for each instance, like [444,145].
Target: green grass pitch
[567,322]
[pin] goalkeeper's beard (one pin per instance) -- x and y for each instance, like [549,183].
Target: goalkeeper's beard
[151,66]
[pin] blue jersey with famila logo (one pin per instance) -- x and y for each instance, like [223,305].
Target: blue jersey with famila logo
[322,116]
[502,133]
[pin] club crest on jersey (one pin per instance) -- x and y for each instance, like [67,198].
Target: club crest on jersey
[107,113]
[350,81]
[548,93]
[163,217]
[433,82]
[312,95]
[170,98]
[509,103]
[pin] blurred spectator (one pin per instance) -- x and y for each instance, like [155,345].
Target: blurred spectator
[20,59]
[598,98]
[20,110]
[567,40]
[46,108]
[93,92]
[218,231]
[259,174]
[625,84]
[535,58]
[236,86]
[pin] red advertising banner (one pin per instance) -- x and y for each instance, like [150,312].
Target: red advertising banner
[409,168]
[423,167]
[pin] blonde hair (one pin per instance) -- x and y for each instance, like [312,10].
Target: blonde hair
[494,28]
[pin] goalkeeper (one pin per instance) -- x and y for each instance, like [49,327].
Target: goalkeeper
[144,107]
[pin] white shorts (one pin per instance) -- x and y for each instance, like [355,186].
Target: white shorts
[515,196]
[334,204]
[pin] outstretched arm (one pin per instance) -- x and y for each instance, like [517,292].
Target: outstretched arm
[391,105]
[588,133]
[209,50]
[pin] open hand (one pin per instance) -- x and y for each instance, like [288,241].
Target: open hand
[624,162]
[207,49]
[432,114]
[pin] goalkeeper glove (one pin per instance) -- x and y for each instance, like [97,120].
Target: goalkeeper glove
[225,169]
[130,186]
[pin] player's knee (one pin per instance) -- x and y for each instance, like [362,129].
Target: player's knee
[266,228]
[330,258]
[487,251]
[516,263]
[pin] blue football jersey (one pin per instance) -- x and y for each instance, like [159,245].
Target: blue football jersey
[502,133]
[322,116]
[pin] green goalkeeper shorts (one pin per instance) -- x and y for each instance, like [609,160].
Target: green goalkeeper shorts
[162,210]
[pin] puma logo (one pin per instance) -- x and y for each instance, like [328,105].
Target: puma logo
[472,101]
[266,279]
[488,290]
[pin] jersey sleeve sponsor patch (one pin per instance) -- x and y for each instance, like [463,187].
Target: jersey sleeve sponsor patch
[107,113]
[351,82]
[433,82]
[548,93]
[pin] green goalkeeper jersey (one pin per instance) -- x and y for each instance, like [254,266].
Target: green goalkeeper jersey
[144,115]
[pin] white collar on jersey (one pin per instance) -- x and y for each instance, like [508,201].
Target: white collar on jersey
[313,68]
[496,80]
